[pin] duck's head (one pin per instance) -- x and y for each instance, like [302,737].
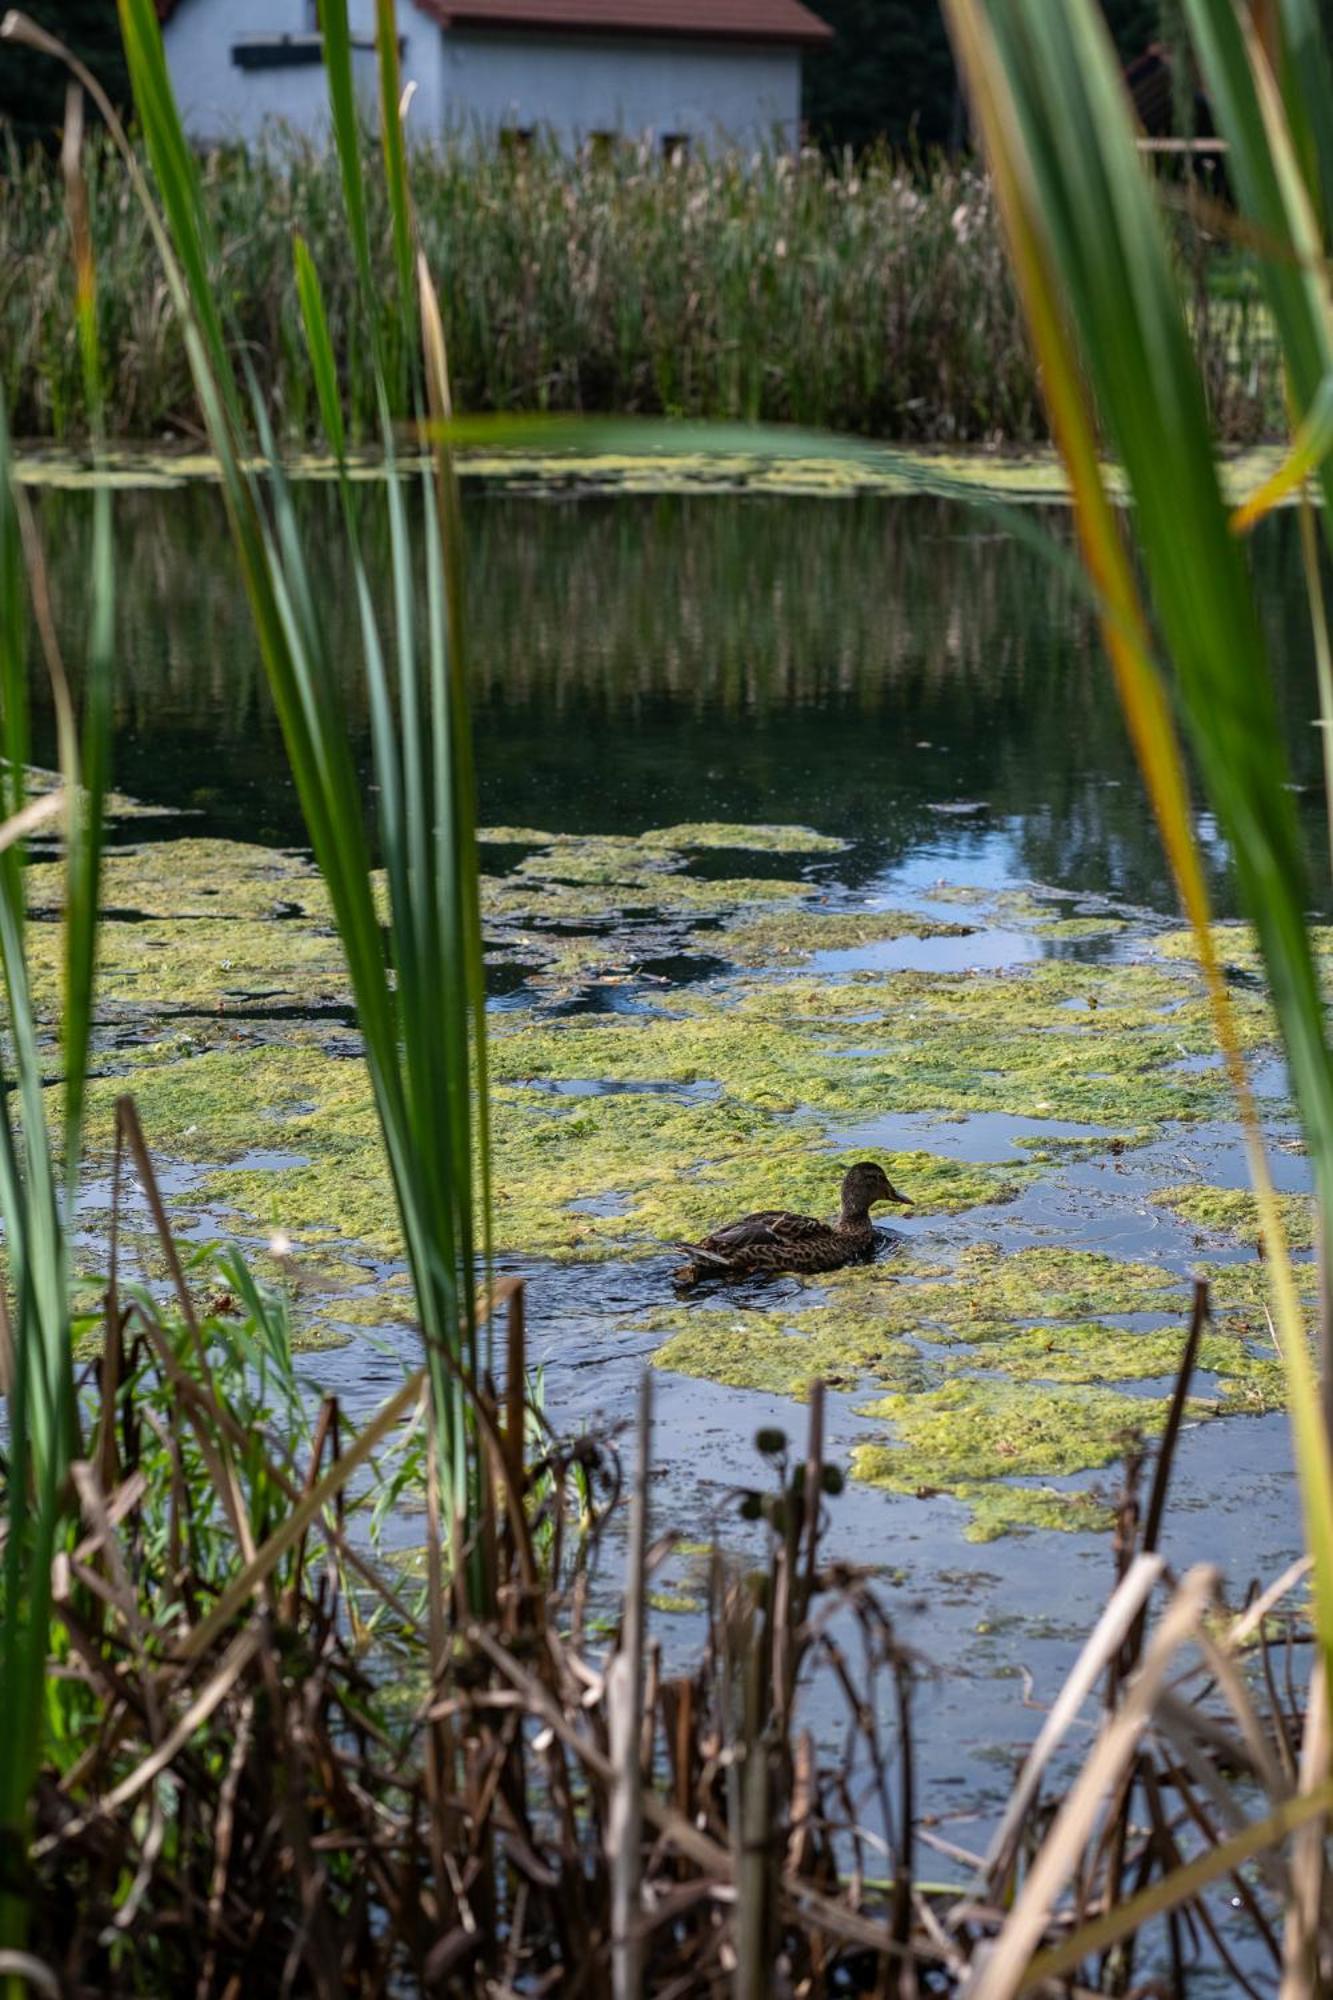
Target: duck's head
[866,1183]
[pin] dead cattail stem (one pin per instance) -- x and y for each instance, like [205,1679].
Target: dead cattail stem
[1303,1973]
[515,1387]
[624,1700]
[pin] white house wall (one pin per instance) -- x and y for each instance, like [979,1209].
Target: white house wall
[471,82]
[576,85]
[220,101]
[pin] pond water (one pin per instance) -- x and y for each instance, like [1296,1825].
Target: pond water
[926,694]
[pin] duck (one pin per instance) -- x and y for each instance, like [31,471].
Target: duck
[774,1240]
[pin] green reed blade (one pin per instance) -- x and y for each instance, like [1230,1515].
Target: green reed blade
[413,1003]
[395,176]
[1307,80]
[319,345]
[346,121]
[177,174]
[43,1422]
[1066,140]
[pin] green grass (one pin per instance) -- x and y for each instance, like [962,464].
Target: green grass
[866,299]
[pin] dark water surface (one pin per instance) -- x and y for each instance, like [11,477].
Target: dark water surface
[886,670]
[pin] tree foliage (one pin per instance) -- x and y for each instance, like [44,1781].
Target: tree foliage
[889,74]
[32,87]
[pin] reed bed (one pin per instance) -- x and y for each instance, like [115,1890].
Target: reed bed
[868,296]
[282,1764]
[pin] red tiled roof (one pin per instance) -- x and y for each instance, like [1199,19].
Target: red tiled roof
[717,20]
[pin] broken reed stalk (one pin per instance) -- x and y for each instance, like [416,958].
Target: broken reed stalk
[1122,1663]
[624,1701]
[753,1961]
[1301,1950]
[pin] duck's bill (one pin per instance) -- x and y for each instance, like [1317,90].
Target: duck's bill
[903,1200]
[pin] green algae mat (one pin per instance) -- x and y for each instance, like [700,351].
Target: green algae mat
[703,1020]
[815,471]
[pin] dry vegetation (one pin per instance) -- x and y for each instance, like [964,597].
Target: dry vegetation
[870,297]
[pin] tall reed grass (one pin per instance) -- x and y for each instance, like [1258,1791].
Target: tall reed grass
[1092,261]
[413,952]
[41,1146]
[870,297]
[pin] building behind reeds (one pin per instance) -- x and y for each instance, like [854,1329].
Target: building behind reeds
[688,73]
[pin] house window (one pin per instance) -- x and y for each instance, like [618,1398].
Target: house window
[675,148]
[278,51]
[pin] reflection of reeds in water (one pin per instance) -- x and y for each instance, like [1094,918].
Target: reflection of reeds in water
[864,297]
[746,605]
[811,643]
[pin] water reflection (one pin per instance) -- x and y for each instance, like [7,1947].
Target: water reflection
[850,663]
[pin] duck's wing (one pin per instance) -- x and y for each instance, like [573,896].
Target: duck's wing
[766,1225]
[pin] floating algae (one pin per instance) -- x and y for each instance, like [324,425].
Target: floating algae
[1091,1352]
[769,940]
[610,861]
[988,1368]
[782,1354]
[984,1306]
[1218,1211]
[1004,1508]
[777,1058]
[1261,1387]
[547,895]
[677,1164]
[1030,475]
[914,1042]
[661,468]
[998,1370]
[1071,928]
[765,1350]
[1059,1283]
[691,834]
[189,877]
[968,1431]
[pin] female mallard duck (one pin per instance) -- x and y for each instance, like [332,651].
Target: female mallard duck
[772,1240]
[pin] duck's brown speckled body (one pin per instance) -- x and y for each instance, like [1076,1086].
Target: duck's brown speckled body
[773,1240]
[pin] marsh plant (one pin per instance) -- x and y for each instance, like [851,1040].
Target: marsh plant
[1093,263]
[865,295]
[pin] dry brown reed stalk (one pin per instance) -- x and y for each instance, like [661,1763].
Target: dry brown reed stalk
[625,1704]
